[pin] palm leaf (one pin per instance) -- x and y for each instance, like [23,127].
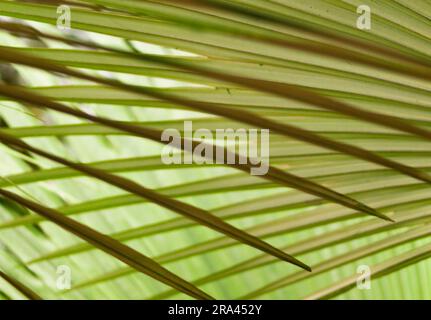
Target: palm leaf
[82,112]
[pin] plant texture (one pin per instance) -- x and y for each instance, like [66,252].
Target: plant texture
[91,209]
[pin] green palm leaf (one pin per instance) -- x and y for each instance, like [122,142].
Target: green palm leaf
[83,184]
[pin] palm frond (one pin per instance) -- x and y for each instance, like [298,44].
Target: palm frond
[82,184]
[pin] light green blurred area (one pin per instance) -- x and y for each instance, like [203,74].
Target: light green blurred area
[20,245]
